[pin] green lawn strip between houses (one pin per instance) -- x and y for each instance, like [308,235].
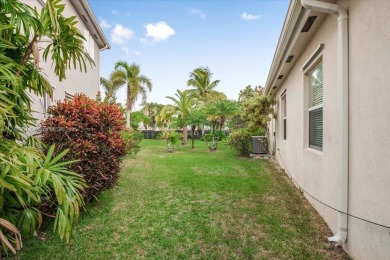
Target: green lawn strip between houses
[194,204]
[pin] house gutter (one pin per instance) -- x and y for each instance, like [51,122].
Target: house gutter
[343,76]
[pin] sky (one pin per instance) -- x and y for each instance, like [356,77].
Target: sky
[236,39]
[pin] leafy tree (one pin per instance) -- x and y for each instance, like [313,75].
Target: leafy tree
[248,92]
[237,122]
[182,104]
[203,87]
[27,174]
[226,109]
[139,117]
[259,110]
[152,110]
[136,84]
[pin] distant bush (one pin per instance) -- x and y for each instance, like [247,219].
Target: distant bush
[159,136]
[240,140]
[219,135]
[91,130]
[173,137]
[132,139]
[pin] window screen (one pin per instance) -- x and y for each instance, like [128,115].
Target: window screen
[316,108]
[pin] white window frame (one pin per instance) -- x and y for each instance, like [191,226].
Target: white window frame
[315,107]
[89,44]
[46,105]
[47,102]
[309,65]
[283,102]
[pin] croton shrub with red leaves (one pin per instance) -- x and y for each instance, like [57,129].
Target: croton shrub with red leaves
[92,132]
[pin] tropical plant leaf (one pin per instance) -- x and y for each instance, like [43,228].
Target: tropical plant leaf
[5,241]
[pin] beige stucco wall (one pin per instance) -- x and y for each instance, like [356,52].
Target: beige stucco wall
[369,163]
[76,81]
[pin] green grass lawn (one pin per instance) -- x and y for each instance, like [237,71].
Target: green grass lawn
[194,204]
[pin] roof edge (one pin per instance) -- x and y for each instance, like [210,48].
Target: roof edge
[288,36]
[95,23]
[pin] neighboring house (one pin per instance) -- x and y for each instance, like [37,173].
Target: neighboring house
[330,77]
[76,81]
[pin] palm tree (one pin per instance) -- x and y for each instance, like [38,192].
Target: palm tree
[203,87]
[112,84]
[182,104]
[195,118]
[213,117]
[152,110]
[136,84]
[165,116]
[217,114]
[225,109]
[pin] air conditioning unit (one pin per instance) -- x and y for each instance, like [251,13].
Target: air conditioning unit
[259,144]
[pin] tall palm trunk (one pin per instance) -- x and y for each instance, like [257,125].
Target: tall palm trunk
[223,119]
[193,136]
[213,133]
[214,145]
[129,106]
[185,135]
[128,118]
[136,84]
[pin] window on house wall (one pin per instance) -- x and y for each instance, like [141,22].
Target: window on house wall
[89,44]
[284,114]
[315,109]
[46,103]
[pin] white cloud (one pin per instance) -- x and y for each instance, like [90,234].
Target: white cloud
[127,51]
[116,12]
[121,34]
[104,24]
[197,12]
[160,31]
[249,17]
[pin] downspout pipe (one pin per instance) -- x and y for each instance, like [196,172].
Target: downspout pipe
[343,136]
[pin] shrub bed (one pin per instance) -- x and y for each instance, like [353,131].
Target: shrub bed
[132,139]
[240,140]
[91,131]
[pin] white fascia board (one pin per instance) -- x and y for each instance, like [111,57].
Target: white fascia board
[93,25]
[295,19]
